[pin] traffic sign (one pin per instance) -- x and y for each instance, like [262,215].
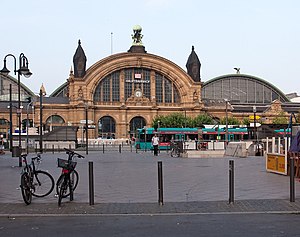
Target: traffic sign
[84,121]
[252,117]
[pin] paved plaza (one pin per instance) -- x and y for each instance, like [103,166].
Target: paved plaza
[127,182]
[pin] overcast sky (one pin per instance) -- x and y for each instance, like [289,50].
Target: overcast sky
[261,37]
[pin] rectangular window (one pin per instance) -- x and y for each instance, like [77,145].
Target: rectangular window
[158,88]
[128,83]
[168,91]
[146,86]
[106,89]
[116,86]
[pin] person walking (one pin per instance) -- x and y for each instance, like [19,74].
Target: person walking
[1,145]
[155,143]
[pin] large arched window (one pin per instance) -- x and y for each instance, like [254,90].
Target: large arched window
[106,127]
[135,123]
[54,121]
[165,90]
[137,78]
[239,88]
[109,88]
[4,122]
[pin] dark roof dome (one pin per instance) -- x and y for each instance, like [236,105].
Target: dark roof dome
[79,61]
[193,66]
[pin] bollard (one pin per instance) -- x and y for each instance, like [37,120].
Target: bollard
[130,147]
[91,183]
[52,149]
[292,180]
[120,148]
[103,148]
[160,184]
[71,184]
[231,181]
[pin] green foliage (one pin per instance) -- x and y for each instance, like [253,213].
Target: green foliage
[203,119]
[231,121]
[179,120]
[280,119]
[246,121]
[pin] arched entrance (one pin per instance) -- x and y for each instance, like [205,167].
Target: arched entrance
[54,121]
[106,127]
[4,126]
[135,123]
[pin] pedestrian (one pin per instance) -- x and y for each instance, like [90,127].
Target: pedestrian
[2,145]
[155,143]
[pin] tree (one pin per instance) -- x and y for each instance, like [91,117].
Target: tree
[202,119]
[280,118]
[230,121]
[179,120]
[246,121]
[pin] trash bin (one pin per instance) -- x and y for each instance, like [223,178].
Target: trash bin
[15,152]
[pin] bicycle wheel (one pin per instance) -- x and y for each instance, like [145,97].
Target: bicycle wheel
[74,179]
[25,188]
[63,188]
[42,184]
[174,153]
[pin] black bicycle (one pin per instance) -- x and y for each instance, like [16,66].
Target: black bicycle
[175,150]
[68,180]
[35,182]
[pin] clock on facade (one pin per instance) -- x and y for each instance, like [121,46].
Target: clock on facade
[138,93]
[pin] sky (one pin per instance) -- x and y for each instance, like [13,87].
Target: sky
[261,37]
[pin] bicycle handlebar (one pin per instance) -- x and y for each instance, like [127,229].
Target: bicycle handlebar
[68,151]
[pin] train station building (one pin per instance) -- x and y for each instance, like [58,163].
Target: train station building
[126,91]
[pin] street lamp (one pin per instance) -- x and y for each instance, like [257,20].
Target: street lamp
[23,70]
[86,129]
[255,133]
[42,93]
[226,132]
[27,125]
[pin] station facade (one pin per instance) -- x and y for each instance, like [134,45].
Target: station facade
[126,91]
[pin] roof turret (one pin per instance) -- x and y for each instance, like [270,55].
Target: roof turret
[193,66]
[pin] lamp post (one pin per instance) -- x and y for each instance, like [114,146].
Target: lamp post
[255,133]
[42,93]
[23,70]
[226,132]
[27,124]
[10,119]
[86,130]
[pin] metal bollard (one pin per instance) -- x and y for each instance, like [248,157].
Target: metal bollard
[231,181]
[160,184]
[71,187]
[292,180]
[91,183]
[103,148]
[120,148]
[52,149]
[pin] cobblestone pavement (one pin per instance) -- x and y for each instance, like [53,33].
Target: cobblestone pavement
[126,183]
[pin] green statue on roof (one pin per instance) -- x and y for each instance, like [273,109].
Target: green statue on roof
[137,36]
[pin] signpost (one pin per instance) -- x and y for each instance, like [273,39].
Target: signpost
[89,121]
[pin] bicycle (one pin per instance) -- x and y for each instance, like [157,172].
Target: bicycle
[68,180]
[35,182]
[175,150]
